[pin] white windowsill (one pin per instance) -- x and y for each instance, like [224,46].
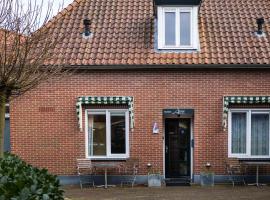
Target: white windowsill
[177,48]
[248,157]
[107,158]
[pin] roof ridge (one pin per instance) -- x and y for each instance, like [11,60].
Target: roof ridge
[63,12]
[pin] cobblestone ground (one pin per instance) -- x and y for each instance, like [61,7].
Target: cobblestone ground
[220,192]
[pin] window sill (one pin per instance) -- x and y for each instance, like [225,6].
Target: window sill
[108,159]
[249,157]
[178,48]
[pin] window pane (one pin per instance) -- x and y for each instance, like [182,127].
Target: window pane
[7,135]
[118,136]
[97,135]
[169,28]
[238,133]
[259,134]
[185,32]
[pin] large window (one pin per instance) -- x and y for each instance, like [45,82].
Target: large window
[107,133]
[249,133]
[178,28]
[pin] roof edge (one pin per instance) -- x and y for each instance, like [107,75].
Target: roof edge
[62,13]
[183,66]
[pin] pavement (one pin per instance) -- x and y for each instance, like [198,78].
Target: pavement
[219,192]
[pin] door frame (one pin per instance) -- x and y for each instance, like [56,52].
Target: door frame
[191,145]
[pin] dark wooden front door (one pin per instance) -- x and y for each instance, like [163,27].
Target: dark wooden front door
[177,147]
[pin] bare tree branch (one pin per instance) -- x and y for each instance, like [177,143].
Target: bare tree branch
[26,44]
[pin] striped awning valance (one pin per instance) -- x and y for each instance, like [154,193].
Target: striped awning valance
[103,100]
[227,100]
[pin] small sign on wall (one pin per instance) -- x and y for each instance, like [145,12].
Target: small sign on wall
[182,112]
[155,128]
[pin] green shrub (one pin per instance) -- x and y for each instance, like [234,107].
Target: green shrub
[21,181]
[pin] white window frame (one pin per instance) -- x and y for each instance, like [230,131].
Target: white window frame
[194,37]
[107,112]
[248,133]
[7,115]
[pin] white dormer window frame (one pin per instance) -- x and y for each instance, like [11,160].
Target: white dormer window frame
[177,11]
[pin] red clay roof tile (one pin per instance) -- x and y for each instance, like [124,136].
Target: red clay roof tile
[123,34]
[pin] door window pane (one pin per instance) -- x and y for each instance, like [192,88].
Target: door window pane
[97,135]
[238,133]
[185,28]
[118,138]
[169,28]
[259,134]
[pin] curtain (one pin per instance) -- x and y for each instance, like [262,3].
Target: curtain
[238,133]
[259,134]
[90,135]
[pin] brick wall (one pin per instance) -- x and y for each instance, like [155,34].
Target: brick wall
[44,124]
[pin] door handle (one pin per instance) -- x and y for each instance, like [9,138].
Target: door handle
[166,149]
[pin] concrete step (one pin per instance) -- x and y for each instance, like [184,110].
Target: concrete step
[181,181]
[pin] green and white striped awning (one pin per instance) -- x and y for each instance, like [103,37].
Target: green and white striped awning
[227,100]
[103,100]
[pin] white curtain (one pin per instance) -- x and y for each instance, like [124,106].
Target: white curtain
[238,133]
[259,134]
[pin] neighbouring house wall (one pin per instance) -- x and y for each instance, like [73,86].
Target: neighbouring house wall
[44,123]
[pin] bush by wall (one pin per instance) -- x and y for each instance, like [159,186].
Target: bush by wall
[21,181]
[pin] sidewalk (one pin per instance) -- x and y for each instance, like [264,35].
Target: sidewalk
[220,192]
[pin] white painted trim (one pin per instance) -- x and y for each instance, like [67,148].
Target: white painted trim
[86,133]
[229,134]
[127,134]
[248,136]
[107,112]
[248,112]
[108,134]
[160,27]
[195,28]
[177,28]
[193,10]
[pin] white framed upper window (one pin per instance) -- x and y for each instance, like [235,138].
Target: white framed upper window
[107,133]
[249,133]
[178,27]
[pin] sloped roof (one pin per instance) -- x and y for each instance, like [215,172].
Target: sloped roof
[123,34]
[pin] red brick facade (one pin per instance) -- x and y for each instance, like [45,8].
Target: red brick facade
[44,128]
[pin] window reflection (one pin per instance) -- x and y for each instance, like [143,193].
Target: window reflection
[97,135]
[118,140]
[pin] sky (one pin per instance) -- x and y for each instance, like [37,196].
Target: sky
[55,7]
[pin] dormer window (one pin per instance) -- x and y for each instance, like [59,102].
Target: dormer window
[178,27]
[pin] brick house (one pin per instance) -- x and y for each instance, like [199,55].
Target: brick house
[175,83]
